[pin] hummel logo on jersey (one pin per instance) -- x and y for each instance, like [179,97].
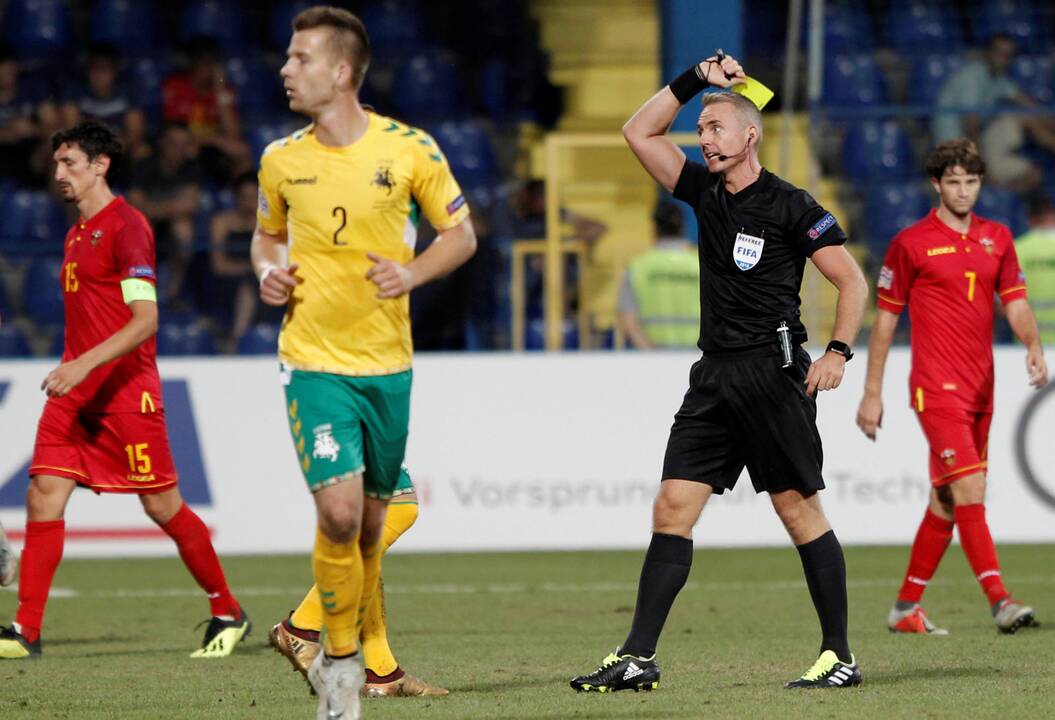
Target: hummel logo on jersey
[632,670]
[304,181]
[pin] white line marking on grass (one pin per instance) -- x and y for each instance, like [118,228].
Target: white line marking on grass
[512,588]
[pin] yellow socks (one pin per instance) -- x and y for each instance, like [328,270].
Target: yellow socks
[377,654]
[373,629]
[339,577]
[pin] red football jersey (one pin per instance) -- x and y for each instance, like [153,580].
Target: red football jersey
[948,280]
[115,245]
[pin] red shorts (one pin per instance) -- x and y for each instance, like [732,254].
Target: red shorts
[959,442]
[118,453]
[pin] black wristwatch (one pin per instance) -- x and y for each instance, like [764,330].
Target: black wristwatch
[840,347]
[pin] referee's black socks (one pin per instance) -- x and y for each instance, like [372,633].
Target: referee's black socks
[825,568]
[666,568]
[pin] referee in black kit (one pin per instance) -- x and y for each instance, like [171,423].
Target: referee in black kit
[751,397]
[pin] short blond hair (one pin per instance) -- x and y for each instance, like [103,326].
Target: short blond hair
[348,38]
[746,109]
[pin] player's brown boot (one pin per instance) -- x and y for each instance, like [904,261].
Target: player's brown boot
[405,686]
[298,646]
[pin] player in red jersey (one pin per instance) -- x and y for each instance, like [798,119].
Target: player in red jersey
[947,267]
[103,426]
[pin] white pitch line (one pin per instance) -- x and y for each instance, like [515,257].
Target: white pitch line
[511,588]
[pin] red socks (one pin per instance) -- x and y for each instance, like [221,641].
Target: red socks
[196,551]
[40,558]
[932,539]
[978,547]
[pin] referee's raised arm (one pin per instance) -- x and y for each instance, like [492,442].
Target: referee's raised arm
[646,130]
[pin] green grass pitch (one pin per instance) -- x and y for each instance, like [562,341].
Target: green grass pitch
[505,632]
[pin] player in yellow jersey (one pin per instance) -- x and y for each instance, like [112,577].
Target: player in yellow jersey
[334,244]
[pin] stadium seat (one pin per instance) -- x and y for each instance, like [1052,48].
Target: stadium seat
[878,150]
[1002,205]
[428,84]
[147,75]
[260,135]
[261,339]
[929,74]
[889,208]
[468,150]
[35,223]
[126,24]
[182,339]
[853,80]
[1035,75]
[846,30]
[57,343]
[42,293]
[13,343]
[917,27]
[36,29]
[257,86]
[535,335]
[1021,19]
[221,21]
[395,26]
[280,24]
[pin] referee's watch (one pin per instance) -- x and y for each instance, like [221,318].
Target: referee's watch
[837,346]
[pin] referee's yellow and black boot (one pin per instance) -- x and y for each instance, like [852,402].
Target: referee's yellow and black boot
[829,672]
[620,672]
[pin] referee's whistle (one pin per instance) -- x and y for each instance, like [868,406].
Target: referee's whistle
[784,334]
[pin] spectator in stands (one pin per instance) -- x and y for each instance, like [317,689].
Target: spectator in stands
[659,300]
[231,234]
[165,188]
[102,97]
[27,119]
[1036,256]
[972,100]
[200,98]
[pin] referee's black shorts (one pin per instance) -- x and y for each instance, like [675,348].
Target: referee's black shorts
[744,409]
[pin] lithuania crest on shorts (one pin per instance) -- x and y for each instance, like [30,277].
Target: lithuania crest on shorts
[747,250]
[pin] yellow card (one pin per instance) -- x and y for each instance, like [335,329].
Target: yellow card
[754,91]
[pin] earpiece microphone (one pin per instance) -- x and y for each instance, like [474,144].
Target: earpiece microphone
[723,158]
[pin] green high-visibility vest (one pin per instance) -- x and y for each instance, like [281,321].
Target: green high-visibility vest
[1036,255]
[666,285]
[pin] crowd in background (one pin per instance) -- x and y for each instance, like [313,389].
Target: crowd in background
[194,90]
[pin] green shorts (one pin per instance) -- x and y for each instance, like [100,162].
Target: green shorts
[345,425]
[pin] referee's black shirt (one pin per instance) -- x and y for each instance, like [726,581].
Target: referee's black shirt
[753,250]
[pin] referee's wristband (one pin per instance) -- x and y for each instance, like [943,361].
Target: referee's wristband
[687,85]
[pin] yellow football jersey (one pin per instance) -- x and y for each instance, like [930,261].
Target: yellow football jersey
[336,205]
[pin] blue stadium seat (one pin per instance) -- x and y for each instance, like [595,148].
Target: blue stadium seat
[221,21]
[36,28]
[183,339]
[889,208]
[535,335]
[853,80]
[42,293]
[1021,19]
[35,223]
[13,343]
[1035,75]
[468,150]
[127,24]
[260,135]
[846,30]
[5,301]
[280,24]
[395,26]
[878,150]
[258,87]
[428,87]
[1002,205]
[57,343]
[148,73]
[917,27]
[261,339]
[929,75]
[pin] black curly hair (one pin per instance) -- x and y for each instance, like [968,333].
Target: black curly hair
[94,137]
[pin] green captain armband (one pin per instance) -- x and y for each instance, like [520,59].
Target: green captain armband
[133,289]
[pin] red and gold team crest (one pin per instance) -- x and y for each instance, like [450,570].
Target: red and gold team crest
[96,236]
[987,243]
[948,456]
